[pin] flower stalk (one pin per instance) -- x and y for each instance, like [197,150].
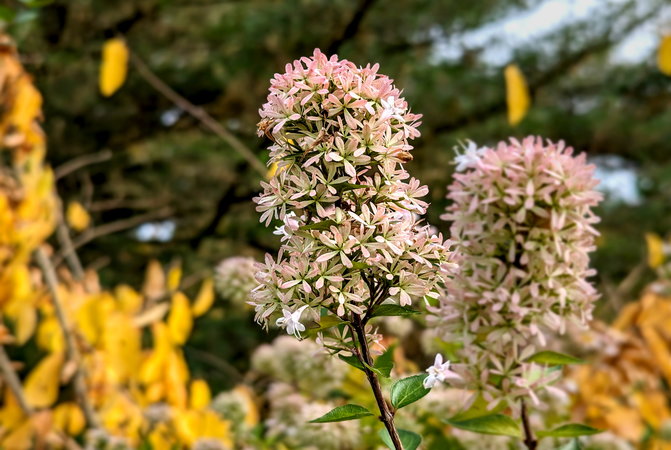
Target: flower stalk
[529,439]
[364,356]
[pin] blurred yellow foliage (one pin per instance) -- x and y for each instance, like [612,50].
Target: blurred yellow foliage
[655,250]
[127,379]
[517,94]
[114,66]
[624,390]
[664,55]
[77,216]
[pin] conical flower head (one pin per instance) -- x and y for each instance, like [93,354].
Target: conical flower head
[522,222]
[346,207]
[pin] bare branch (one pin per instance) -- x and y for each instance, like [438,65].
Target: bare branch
[540,80]
[13,382]
[352,27]
[72,352]
[67,247]
[81,161]
[111,228]
[198,113]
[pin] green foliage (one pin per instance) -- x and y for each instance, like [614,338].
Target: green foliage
[553,358]
[325,322]
[409,439]
[385,362]
[573,444]
[569,430]
[342,413]
[497,424]
[408,390]
[394,310]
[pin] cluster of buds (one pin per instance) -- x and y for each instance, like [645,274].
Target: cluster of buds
[522,224]
[302,364]
[234,279]
[289,413]
[351,236]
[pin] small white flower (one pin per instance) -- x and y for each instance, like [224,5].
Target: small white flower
[470,157]
[291,321]
[290,223]
[439,372]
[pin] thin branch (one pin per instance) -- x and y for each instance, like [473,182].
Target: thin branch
[529,439]
[555,71]
[352,27]
[198,113]
[386,414]
[225,203]
[72,351]
[111,228]
[81,161]
[215,361]
[13,382]
[67,247]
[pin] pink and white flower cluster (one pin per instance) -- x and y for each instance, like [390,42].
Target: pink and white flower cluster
[347,209]
[522,224]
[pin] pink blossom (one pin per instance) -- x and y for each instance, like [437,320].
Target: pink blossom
[522,223]
[347,208]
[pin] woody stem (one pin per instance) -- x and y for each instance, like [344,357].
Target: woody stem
[529,439]
[386,413]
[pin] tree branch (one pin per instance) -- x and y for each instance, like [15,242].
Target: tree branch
[352,27]
[81,161]
[67,247]
[198,113]
[226,201]
[110,228]
[72,352]
[13,382]
[551,74]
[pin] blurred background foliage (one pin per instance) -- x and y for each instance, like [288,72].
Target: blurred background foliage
[158,184]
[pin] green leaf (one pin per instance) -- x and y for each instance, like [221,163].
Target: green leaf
[497,424]
[342,413]
[554,358]
[408,390]
[573,444]
[393,310]
[36,3]
[360,265]
[323,225]
[570,430]
[6,14]
[325,322]
[385,362]
[409,439]
[350,186]
[352,361]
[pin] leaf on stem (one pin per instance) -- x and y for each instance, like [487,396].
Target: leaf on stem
[497,424]
[393,310]
[354,362]
[409,439]
[385,362]
[342,413]
[570,430]
[408,390]
[553,358]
